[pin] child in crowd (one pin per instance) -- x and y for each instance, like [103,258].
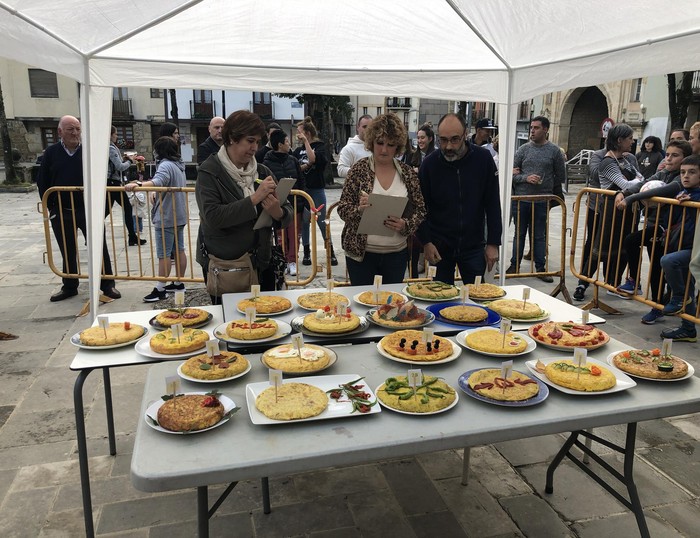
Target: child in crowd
[675,264]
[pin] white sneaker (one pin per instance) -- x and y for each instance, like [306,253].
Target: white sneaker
[292,269]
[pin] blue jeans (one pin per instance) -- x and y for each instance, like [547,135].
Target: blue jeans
[391,265]
[538,231]
[319,197]
[471,262]
[675,266]
[170,245]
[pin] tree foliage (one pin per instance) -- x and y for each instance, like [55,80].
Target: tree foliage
[680,95]
[10,174]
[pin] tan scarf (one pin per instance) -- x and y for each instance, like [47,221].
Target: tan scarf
[244,177]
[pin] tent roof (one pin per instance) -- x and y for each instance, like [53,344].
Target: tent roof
[455,49]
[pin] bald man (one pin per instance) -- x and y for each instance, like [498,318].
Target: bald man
[213,142]
[62,166]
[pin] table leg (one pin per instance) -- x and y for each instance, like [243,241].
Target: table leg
[465,465]
[82,451]
[549,486]
[265,483]
[629,480]
[202,512]
[110,412]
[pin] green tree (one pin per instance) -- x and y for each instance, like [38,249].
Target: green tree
[10,174]
[680,95]
[326,111]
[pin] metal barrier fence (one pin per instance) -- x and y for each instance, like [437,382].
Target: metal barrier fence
[140,263]
[610,234]
[531,216]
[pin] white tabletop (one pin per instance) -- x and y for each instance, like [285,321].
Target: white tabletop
[240,450]
[86,359]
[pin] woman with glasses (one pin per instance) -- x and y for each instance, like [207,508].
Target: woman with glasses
[382,253]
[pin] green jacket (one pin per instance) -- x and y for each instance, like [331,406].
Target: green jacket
[227,217]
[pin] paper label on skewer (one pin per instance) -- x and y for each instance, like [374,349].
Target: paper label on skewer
[666,346]
[255,290]
[276,378]
[506,369]
[341,309]
[526,294]
[505,326]
[464,293]
[580,355]
[212,348]
[432,271]
[250,314]
[415,378]
[377,281]
[172,384]
[179,298]
[177,330]
[298,341]
[477,280]
[103,322]
[585,314]
[427,335]
[330,283]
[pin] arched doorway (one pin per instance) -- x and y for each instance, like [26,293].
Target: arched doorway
[583,111]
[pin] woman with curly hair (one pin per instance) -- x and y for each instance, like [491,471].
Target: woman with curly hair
[650,156]
[381,173]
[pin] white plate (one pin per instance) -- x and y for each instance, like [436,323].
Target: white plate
[309,309]
[456,350]
[386,406]
[75,340]
[440,300]
[195,380]
[335,409]
[356,298]
[152,414]
[143,347]
[333,357]
[624,382]
[462,341]
[691,370]
[283,329]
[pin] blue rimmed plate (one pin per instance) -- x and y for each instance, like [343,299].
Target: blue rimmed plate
[492,318]
[538,398]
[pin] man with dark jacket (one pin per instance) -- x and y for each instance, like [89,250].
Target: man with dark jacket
[62,166]
[214,140]
[283,164]
[460,190]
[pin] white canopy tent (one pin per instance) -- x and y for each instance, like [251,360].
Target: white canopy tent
[503,51]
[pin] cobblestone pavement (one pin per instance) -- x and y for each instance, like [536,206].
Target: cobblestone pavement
[420,496]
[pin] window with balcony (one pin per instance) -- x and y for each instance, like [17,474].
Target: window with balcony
[636,91]
[43,84]
[121,104]
[262,104]
[156,93]
[202,105]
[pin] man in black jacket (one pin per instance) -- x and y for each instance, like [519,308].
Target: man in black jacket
[461,194]
[62,166]
[213,141]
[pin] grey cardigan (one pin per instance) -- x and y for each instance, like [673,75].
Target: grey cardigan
[227,216]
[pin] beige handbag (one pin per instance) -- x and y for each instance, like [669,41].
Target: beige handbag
[230,276]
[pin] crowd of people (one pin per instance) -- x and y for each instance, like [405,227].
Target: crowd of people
[452,218]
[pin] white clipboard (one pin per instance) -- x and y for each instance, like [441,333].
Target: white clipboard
[283,187]
[381,207]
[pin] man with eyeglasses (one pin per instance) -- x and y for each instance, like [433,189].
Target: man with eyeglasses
[461,194]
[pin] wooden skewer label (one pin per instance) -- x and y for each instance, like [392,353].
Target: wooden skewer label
[275,378]
[428,334]
[585,315]
[415,378]
[255,290]
[172,384]
[103,322]
[330,283]
[666,346]
[212,348]
[432,271]
[464,293]
[179,298]
[477,280]
[506,369]
[580,356]
[177,331]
